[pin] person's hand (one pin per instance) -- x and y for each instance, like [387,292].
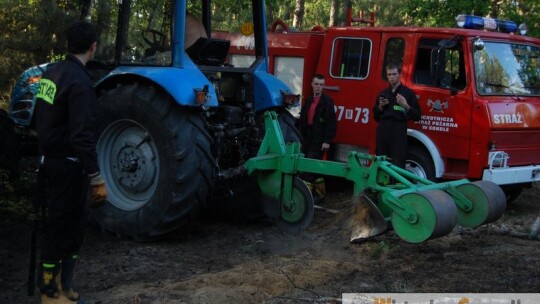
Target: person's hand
[383,101]
[325,147]
[98,190]
[402,101]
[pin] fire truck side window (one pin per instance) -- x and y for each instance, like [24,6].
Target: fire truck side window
[393,53]
[350,58]
[438,66]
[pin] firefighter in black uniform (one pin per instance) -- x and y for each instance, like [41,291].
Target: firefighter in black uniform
[65,114]
[318,126]
[394,106]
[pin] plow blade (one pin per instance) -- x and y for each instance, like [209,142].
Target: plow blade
[366,220]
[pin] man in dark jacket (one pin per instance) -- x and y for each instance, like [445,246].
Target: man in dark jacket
[318,126]
[394,106]
[65,114]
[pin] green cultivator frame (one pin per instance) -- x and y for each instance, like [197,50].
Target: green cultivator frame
[418,209]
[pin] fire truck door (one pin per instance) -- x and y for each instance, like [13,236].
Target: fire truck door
[439,80]
[351,74]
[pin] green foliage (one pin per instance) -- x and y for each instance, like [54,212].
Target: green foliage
[434,13]
[32,31]
[31,34]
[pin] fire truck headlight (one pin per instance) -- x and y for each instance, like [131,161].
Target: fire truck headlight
[498,159]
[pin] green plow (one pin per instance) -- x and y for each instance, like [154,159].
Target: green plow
[418,209]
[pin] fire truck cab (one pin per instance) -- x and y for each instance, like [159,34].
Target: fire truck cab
[479,92]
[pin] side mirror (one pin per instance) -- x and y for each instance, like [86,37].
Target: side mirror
[478,44]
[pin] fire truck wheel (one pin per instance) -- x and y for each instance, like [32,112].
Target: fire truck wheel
[513,191]
[155,159]
[10,155]
[420,163]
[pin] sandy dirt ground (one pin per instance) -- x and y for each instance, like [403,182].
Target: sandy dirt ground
[231,262]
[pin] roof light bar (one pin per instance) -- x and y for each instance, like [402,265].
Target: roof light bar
[483,23]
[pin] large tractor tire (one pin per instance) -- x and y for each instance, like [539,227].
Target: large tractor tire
[10,147]
[156,160]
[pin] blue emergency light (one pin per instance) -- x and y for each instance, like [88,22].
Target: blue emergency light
[483,23]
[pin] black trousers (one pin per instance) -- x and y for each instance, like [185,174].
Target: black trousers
[392,141]
[67,190]
[312,148]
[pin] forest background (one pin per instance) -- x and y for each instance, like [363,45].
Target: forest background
[32,30]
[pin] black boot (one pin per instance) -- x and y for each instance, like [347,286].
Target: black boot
[49,284]
[68,266]
[46,281]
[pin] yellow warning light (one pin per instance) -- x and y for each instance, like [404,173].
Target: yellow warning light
[247,29]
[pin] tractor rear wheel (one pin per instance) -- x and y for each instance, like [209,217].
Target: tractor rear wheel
[156,161]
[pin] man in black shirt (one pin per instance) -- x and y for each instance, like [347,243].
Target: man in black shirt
[318,126]
[394,106]
[65,114]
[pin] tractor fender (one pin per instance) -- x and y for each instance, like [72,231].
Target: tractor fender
[180,83]
[268,89]
[431,148]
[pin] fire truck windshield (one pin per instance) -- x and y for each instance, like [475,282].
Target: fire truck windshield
[507,69]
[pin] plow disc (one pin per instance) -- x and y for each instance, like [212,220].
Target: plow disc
[437,216]
[489,203]
[298,213]
[290,213]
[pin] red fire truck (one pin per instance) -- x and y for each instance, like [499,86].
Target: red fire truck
[479,91]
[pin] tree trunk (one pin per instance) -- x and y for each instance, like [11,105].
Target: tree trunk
[299,14]
[347,4]
[334,12]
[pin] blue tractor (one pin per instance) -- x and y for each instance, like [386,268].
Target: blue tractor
[177,117]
